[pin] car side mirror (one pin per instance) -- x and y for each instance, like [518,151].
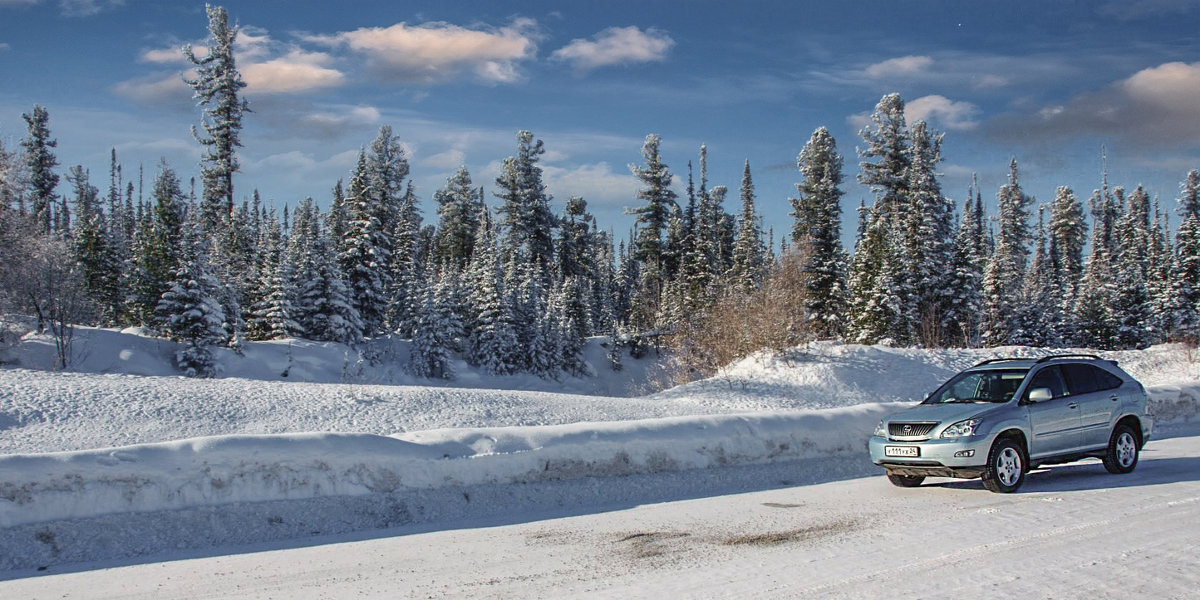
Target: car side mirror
[1040,395]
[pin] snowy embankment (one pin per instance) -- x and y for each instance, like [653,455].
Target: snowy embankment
[232,469]
[193,464]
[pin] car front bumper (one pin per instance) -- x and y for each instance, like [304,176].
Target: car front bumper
[937,457]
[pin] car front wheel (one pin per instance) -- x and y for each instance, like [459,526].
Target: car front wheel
[1122,454]
[1005,470]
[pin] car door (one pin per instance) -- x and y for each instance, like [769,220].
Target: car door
[1054,424]
[1096,392]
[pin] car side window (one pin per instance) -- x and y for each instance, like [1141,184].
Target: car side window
[1049,377]
[1083,379]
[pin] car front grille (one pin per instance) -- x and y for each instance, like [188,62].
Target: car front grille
[909,430]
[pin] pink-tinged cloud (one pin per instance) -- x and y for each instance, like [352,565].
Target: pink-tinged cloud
[436,52]
[616,46]
[298,71]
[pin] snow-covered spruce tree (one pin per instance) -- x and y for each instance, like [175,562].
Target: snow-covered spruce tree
[273,315]
[749,262]
[410,267]
[428,355]
[1131,305]
[577,261]
[1184,321]
[929,242]
[491,342]
[216,88]
[458,219]
[1068,235]
[324,308]
[364,254]
[40,162]
[970,257]
[526,221]
[657,199]
[190,310]
[817,233]
[880,289]
[157,247]
[1093,304]
[1005,275]
[93,249]
[1158,275]
[1036,312]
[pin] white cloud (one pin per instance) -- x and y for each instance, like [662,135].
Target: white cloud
[450,159]
[1155,106]
[156,87]
[436,52]
[4,46]
[616,46]
[596,183]
[336,122]
[941,111]
[902,66]
[87,8]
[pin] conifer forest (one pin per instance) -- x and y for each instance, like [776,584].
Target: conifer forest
[495,277]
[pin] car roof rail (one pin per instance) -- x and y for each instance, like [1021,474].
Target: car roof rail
[996,360]
[1073,355]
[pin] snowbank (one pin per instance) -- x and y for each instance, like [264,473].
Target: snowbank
[231,469]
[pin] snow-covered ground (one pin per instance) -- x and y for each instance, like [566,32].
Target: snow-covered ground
[1074,531]
[123,461]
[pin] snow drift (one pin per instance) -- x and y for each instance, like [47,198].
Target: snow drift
[230,469]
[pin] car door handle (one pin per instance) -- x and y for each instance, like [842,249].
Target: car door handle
[1072,405]
[1114,397]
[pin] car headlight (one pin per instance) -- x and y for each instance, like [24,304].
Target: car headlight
[880,430]
[962,429]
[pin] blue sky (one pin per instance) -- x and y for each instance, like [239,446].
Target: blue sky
[1047,82]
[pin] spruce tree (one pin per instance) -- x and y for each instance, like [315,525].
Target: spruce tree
[458,219]
[190,311]
[216,88]
[817,233]
[491,343]
[1005,274]
[929,242]
[749,254]
[657,199]
[429,355]
[40,162]
[1132,303]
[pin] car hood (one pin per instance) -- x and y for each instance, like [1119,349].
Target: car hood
[941,413]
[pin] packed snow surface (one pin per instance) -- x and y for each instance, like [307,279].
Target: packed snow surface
[121,459]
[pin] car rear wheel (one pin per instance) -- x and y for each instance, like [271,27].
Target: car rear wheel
[1122,454]
[905,480]
[1005,469]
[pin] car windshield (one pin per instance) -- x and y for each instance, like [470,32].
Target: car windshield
[990,385]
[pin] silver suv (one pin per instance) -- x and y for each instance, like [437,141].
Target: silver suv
[1003,417]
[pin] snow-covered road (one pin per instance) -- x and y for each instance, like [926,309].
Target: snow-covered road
[1072,531]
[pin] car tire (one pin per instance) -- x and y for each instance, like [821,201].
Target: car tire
[1005,468]
[1122,454]
[905,480]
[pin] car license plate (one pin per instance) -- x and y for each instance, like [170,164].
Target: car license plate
[906,451]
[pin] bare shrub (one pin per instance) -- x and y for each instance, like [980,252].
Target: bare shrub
[772,317]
